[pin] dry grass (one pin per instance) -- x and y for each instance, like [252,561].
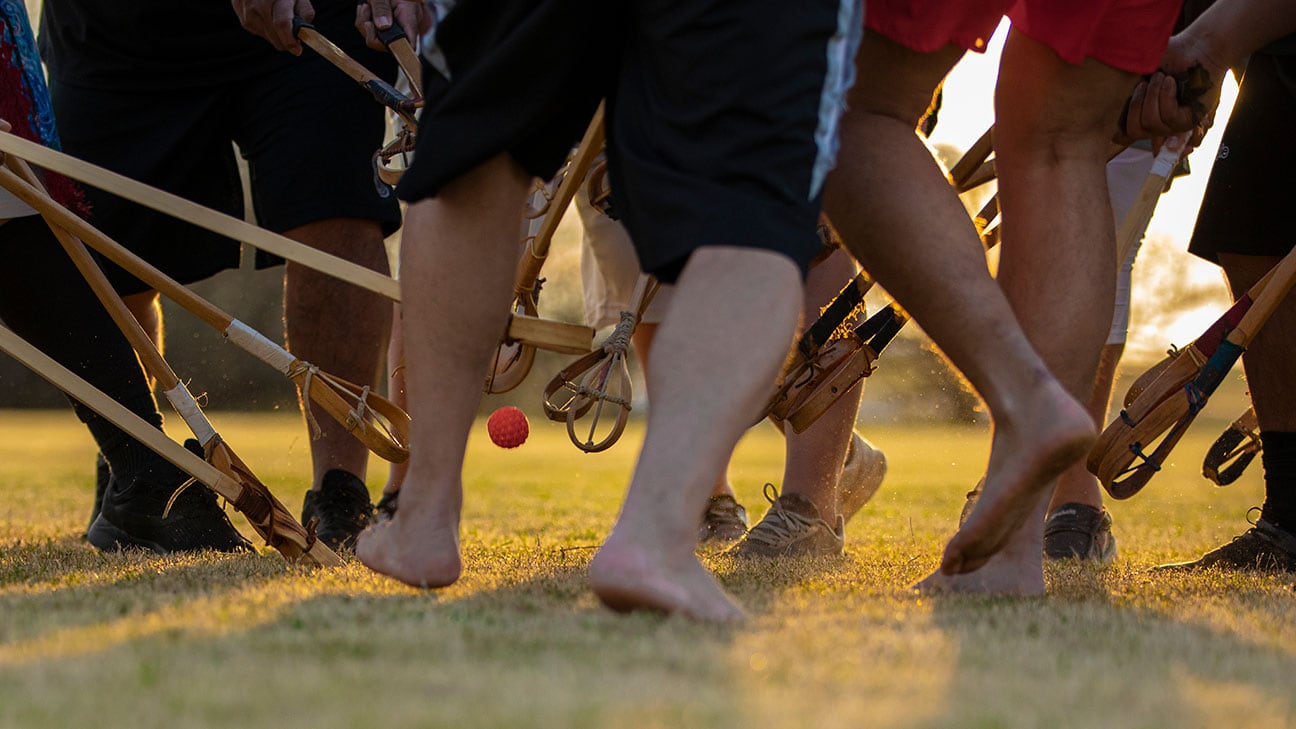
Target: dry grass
[89,639]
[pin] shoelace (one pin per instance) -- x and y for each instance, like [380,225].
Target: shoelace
[1278,537]
[780,525]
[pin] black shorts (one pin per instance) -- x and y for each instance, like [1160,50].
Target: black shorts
[307,131]
[1248,205]
[721,116]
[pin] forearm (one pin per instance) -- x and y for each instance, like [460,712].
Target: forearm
[1233,29]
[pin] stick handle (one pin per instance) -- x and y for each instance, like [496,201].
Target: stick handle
[644,291]
[383,92]
[176,393]
[408,61]
[198,215]
[103,290]
[1266,295]
[117,414]
[533,257]
[972,160]
[1140,212]
[308,35]
[64,219]
[289,539]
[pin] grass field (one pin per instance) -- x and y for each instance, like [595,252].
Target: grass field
[107,640]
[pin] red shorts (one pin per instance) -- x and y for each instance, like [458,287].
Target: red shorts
[1127,34]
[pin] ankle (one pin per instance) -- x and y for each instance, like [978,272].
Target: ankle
[1279,459]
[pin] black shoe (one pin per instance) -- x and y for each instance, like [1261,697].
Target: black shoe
[131,515]
[1262,548]
[103,474]
[342,507]
[723,522]
[386,508]
[1079,531]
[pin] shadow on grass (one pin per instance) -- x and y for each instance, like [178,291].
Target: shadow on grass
[1132,648]
[526,618]
[759,584]
[60,597]
[253,629]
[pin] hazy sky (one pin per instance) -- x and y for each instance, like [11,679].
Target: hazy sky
[967,112]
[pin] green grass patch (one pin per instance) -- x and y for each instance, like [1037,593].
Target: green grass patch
[106,640]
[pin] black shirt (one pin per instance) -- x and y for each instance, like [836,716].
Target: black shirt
[162,44]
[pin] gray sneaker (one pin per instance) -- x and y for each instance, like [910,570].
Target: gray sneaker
[723,522]
[861,476]
[791,528]
[1079,531]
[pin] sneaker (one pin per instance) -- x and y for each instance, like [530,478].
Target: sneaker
[1079,531]
[861,476]
[386,507]
[1262,548]
[131,515]
[791,528]
[102,475]
[724,521]
[342,508]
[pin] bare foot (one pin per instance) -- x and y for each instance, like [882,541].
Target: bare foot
[1018,570]
[630,577]
[415,548]
[986,581]
[1027,454]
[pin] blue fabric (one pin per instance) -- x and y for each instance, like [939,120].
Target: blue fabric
[16,33]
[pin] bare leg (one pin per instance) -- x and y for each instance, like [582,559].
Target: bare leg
[146,307]
[1058,268]
[396,393]
[1126,174]
[465,240]
[901,219]
[815,457]
[704,398]
[338,326]
[643,338]
[1076,485]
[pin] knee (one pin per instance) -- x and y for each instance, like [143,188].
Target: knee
[1061,110]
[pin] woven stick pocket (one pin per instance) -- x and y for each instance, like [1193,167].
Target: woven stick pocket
[1233,450]
[372,419]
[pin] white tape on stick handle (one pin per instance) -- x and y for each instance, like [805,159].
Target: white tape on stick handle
[1165,163]
[1168,157]
[185,404]
[259,346]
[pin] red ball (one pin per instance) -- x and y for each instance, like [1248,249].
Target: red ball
[508,427]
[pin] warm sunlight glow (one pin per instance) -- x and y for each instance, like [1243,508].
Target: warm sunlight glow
[968,109]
